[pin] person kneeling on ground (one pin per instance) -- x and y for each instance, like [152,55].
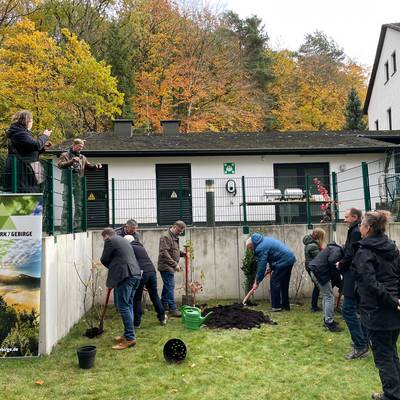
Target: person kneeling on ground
[148,281]
[124,276]
[281,260]
[313,244]
[325,275]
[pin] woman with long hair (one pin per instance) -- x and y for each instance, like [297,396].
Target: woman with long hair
[377,271]
[26,148]
[313,244]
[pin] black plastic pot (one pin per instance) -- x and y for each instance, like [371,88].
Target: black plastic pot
[174,351]
[86,356]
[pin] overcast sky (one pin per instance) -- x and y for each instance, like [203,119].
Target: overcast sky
[353,24]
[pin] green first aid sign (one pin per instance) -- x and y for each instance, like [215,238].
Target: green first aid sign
[229,168]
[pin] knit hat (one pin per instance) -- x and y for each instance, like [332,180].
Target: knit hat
[129,238]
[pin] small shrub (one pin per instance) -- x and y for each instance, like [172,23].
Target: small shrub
[249,268]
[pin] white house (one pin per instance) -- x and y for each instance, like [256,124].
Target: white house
[158,178]
[382,103]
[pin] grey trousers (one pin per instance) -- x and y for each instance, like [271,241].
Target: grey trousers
[328,299]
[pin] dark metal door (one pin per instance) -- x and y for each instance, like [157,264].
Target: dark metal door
[174,193]
[97,197]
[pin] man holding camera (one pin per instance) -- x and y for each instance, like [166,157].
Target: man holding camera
[78,163]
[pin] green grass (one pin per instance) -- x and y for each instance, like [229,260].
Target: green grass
[296,359]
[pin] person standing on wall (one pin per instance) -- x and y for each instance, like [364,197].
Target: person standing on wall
[26,148]
[281,260]
[168,264]
[74,160]
[350,302]
[376,267]
[124,277]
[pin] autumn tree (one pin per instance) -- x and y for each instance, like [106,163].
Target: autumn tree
[355,120]
[311,86]
[64,86]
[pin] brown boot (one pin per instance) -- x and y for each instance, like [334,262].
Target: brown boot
[175,313]
[124,344]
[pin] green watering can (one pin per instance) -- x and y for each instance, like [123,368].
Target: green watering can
[191,317]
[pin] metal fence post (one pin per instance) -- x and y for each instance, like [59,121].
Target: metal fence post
[70,216]
[14,174]
[246,229]
[367,193]
[49,198]
[335,200]
[113,202]
[308,206]
[84,204]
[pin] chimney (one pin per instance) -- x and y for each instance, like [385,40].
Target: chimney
[123,127]
[170,126]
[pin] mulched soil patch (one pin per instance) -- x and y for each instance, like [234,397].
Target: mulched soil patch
[235,316]
[93,332]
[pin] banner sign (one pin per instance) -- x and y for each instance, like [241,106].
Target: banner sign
[20,273]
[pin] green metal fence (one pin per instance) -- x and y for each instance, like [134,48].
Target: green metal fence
[64,193]
[233,200]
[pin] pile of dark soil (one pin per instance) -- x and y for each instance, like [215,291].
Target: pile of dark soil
[93,332]
[235,316]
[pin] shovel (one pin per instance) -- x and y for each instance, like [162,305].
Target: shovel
[252,290]
[104,309]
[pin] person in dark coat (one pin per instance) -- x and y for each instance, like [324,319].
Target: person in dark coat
[350,302]
[26,149]
[280,260]
[129,228]
[377,272]
[325,275]
[124,277]
[148,281]
[313,244]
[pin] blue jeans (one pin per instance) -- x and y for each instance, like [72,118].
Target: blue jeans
[149,281]
[328,299]
[357,332]
[167,294]
[280,279]
[124,293]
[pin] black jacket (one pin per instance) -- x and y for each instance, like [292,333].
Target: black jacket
[143,258]
[377,272]
[23,144]
[121,232]
[350,248]
[324,264]
[26,149]
[119,258]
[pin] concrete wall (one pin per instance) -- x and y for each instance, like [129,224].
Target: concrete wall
[61,303]
[218,254]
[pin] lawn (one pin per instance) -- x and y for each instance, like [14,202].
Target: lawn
[296,359]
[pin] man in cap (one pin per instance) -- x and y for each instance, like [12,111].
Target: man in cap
[76,162]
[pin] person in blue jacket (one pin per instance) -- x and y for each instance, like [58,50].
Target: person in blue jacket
[280,260]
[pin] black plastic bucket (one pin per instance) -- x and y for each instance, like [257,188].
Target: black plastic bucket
[174,351]
[86,356]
